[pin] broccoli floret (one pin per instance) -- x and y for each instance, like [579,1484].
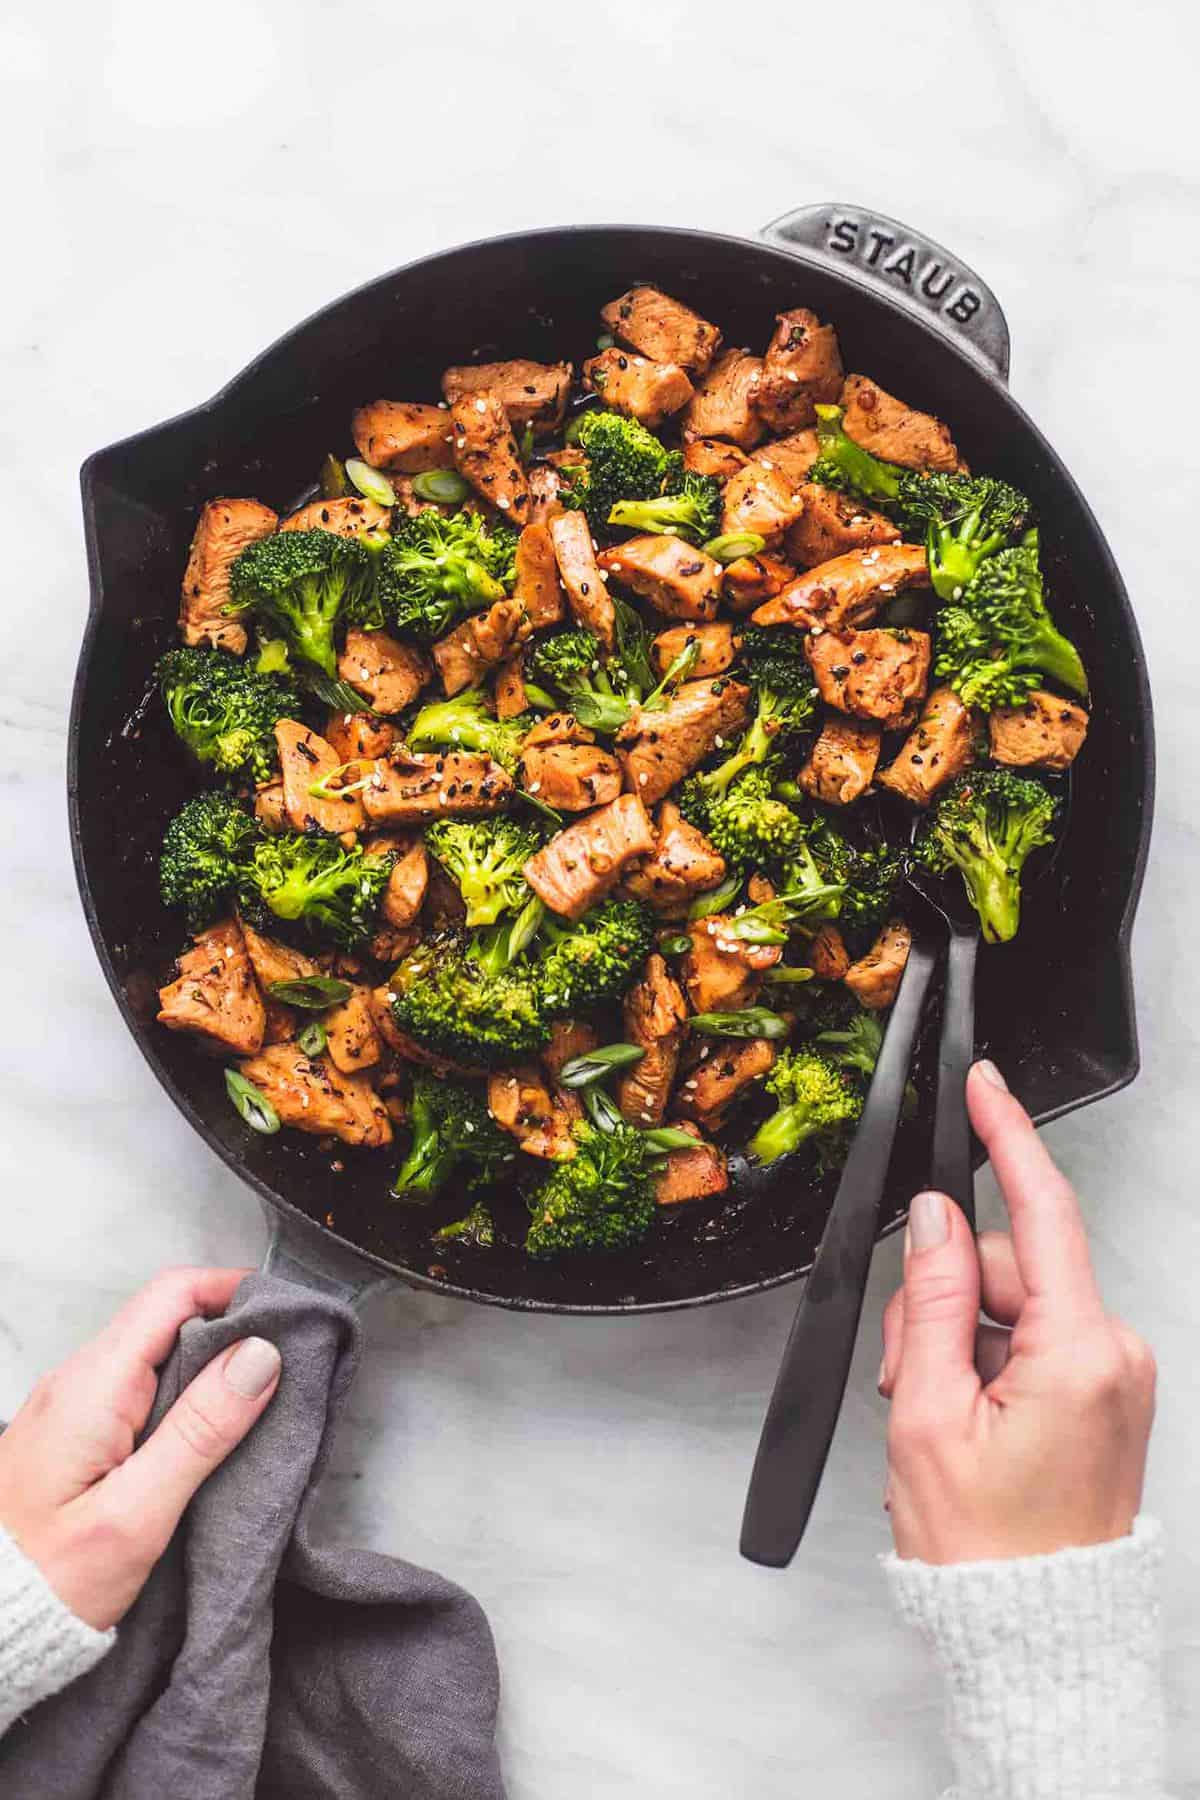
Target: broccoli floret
[467,722]
[451,1127]
[999,640]
[205,849]
[463,1003]
[602,1199]
[816,1101]
[224,710]
[854,1045]
[317,882]
[477,1228]
[985,824]
[303,583]
[624,462]
[572,665]
[785,699]
[868,873]
[744,821]
[485,858]
[437,570]
[596,959]
[689,508]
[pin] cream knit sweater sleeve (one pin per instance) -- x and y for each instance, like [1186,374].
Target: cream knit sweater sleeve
[1051,1666]
[43,1645]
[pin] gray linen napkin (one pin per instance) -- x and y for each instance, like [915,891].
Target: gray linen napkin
[255,1662]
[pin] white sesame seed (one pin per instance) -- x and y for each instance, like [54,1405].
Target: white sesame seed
[503,502]
[481,406]
[887,587]
[535,787]
[719,741]
[643,778]
[461,443]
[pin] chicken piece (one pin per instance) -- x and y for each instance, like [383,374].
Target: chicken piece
[269,809]
[940,746]
[215,994]
[402,435]
[571,777]
[677,580]
[521,1103]
[309,1093]
[657,749]
[750,580]
[710,456]
[723,973]
[760,500]
[691,1174]
[664,329]
[407,884]
[557,728]
[655,1015]
[283,1022]
[760,888]
[545,484]
[873,674]
[643,390]
[581,576]
[583,862]
[832,524]
[684,864]
[874,979]
[224,529]
[407,789]
[841,765]
[383,670]
[850,590]
[1045,733]
[723,404]
[802,369]
[306,758]
[828,956]
[348,517]
[273,961]
[511,699]
[408,1049]
[531,393]
[716,652]
[537,585]
[895,432]
[466,654]
[792,456]
[485,452]
[569,1038]
[713,1086]
[354,1043]
[358,734]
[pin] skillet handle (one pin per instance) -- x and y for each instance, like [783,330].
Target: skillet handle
[893,259]
[300,1251]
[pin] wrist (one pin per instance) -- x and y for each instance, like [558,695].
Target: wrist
[43,1644]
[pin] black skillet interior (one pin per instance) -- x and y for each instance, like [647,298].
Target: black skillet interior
[1054,1008]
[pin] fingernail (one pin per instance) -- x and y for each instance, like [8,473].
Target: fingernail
[882,1373]
[928,1225]
[252,1367]
[991,1074]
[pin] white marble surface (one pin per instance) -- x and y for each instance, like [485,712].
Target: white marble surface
[183,184]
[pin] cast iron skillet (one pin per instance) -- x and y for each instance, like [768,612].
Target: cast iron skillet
[1055,1008]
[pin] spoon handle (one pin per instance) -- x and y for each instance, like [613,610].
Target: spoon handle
[803,1413]
[952,1171]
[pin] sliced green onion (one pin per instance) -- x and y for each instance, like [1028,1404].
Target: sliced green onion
[751,1022]
[665,1138]
[783,973]
[605,341]
[338,695]
[371,483]
[674,946]
[313,1039]
[323,789]
[253,1106]
[717,900]
[540,698]
[734,544]
[527,444]
[601,1110]
[581,1071]
[750,929]
[445,487]
[313,992]
[332,479]
[548,812]
[525,926]
[681,667]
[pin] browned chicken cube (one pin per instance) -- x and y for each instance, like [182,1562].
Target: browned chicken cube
[832,524]
[586,860]
[304,759]
[1045,733]
[269,808]
[582,576]
[873,674]
[402,435]
[662,328]
[383,670]
[407,789]
[750,580]
[545,484]
[875,978]
[940,746]
[684,864]
[537,585]
[571,777]
[485,453]
[543,1123]
[273,961]
[697,1174]
[723,973]
[677,580]
[348,517]
[715,648]
[849,590]
[827,954]
[311,1095]
[760,500]
[216,995]
[655,1015]
[225,528]
[711,1089]
[723,404]
[569,1038]
[405,892]
[511,699]
[466,654]
[791,456]
[354,1043]
[641,389]
[657,749]
[842,763]
[801,370]
[711,456]
[531,393]
[895,432]
[557,728]
[355,734]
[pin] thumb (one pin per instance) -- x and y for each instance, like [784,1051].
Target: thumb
[941,1302]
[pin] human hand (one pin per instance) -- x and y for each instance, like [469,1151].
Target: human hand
[1051,1450]
[92,1512]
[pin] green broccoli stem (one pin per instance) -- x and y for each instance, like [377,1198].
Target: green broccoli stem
[955,555]
[672,515]
[992,889]
[865,473]
[754,748]
[425,1168]
[1055,656]
[782,1133]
